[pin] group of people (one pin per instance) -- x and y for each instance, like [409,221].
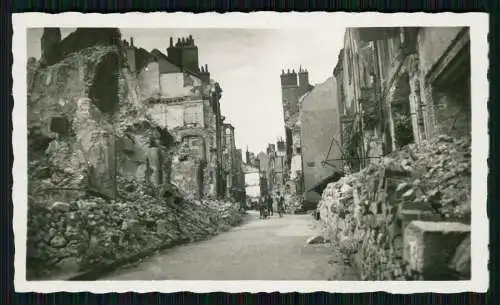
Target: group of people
[266,206]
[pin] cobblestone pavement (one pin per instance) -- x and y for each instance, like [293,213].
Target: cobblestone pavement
[272,249]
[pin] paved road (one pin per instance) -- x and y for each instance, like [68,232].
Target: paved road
[272,249]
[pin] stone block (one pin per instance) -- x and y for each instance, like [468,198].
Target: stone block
[128,145]
[409,215]
[315,240]
[428,247]
[162,226]
[461,260]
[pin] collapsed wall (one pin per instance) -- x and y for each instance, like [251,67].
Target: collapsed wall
[407,216]
[99,168]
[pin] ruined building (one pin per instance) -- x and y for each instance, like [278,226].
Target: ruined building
[122,145]
[404,101]
[294,86]
[145,114]
[400,86]
[182,98]
[239,192]
[264,172]
[277,168]
[229,163]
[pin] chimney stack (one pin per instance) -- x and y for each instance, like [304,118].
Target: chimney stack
[303,81]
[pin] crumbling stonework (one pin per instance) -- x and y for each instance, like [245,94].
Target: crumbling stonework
[105,180]
[368,212]
[66,237]
[429,246]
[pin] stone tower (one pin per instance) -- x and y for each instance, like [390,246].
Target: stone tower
[289,93]
[304,85]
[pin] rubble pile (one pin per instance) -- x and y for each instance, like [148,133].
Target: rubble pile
[93,231]
[364,211]
[293,203]
[94,196]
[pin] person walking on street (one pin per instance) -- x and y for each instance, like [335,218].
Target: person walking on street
[281,205]
[269,202]
[261,208]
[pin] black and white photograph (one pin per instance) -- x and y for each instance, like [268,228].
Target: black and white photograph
[250,152]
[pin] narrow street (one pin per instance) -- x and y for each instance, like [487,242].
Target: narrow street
[272,249]
[140,146]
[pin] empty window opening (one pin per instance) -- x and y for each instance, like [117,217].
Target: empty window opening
[59,125]
[401,114]
[104,88]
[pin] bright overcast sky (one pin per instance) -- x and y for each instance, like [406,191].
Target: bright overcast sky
[247,64]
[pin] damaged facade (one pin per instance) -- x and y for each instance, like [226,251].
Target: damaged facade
[294,86]
[183,100]
[402,85]
[107,122]
[404,101]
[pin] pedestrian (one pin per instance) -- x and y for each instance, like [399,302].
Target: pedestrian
[261,211]
[281,205]
[262,208]
[269,202]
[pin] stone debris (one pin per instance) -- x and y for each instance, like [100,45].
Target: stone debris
[67,220]
[366,212]
[428,246]
[461,261]
[96,231]
[293,203]
[316,240]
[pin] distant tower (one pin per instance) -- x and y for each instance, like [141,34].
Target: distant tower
[184,54]
[304,85]
[289,93]
[248,161]
[281,147]
[50,38]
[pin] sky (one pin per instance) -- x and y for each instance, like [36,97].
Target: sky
[247,63]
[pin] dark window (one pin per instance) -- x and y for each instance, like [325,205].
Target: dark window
[310,164]
[59,125]
[298,150]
